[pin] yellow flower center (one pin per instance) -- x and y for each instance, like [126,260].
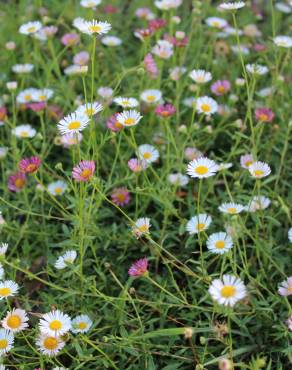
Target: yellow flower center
[82,325]
[143,228]
[206,108]
[95,28]
[4,292]
[24,134]
[201,226]
[232,210]
[19,183]
[58,190]
[147,155]
[27,97]
[13,321]
[151,98]
[42,97]
[258,173]
[89,111]
[118,125]
[121,197]
[31,29]
[201,170]
[221,89]
[220,244]
[55,325]
[74,125]
[31,167]
[50,343]
[228,291]
[3,343]
[129,121]
[216,24]
[248,163]
[86,173]
[263,117]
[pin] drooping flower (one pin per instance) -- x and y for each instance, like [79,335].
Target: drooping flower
[29,165]
[227,291]
[139,268]
[120,196]
[84,171]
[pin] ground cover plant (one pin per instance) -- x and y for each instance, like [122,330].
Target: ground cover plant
[145,184]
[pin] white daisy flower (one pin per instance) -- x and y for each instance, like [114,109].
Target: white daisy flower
[129,118]
[227,291]
[168,4]
[94,27]
[147,153]
[206,105]
[141,226]
[22,68]
[283,8]
[30,28]
[246,160]
[6,341]
[55,323]
[81,324]
[231,208]
[11,85]
[75,70]
[49,345]
[216,22]
[202,167]
[15,320]
[200,76]
[176,73]
[258,203]
[151,96]
[26,96]
[24,131]
[42,95]
[8,288]
[290,235]
[234,5]
[219,243]
[90,3]
[198,223]
[178,179]
[163,49]
[3,151]
[190,102]
[111,41]
[259,169]
[283,41]
[257,69]
[79,23]
[89,109]
[73,123]
[126,102]
[57,187]
[66,259]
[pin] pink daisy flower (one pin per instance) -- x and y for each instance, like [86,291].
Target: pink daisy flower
[136,165]
[150,66]
[264,115]
[165,110]
[81,59]
[120,196]
[16,182]
[29,165]
[156,24]
[220,87]
[139,268]
[70,39]
[36,107]
[84,171]
[113,124]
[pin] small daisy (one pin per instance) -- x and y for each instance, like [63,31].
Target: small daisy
[16,320]
[73,123]
[257,69]
[75,70]
[89,110]
[139,268]
[49,345]
[29,165]
[16,182]
[264,114]
[202,167]
[219,243]
[26,96]
[178,179]
[200,76]
[42,95]
[232,5]
[66,259]
[126,102]
[258,203]
[84,171]
[285,288]
[224,166]
[220,87]
[90,3]
[141,226]
[246,160]
[136,165]
[231,208]
[55,323]
[67,140]
[167,4]
[81,58]
[24,131]
[6,341]
[3,248]
[22,68]
[111,41]
[259,170]
[198,223]
[147,153]
[283,41]
[95,27]
[151,96]
[216,22]
[129,118]
[163,49]
[120,196]
[57,187]
[81,324]
[227,291]
[289,235]
[30,28]
[105,92]
[206,105]
[8,288]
